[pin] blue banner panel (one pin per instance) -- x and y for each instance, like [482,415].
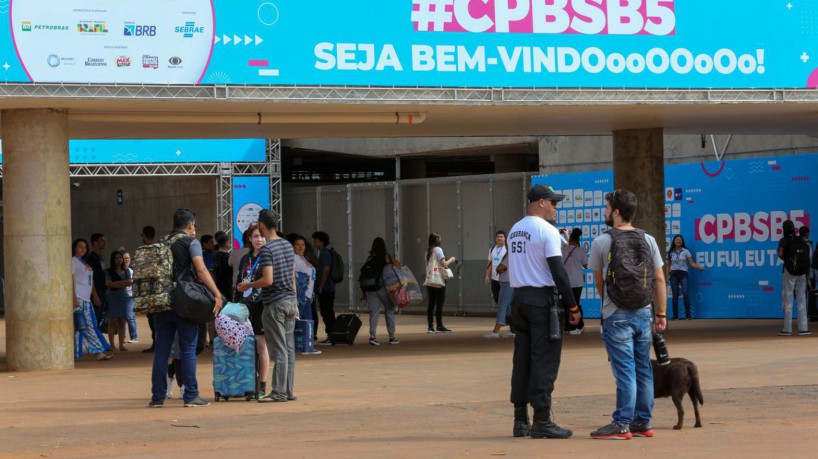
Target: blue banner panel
[653,44]
[166,151]
[250,195]
[730,215]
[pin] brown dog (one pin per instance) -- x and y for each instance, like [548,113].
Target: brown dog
[676,379]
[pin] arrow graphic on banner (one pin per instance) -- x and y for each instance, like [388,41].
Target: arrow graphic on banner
[237,40]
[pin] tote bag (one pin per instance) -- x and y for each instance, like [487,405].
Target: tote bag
[434,274]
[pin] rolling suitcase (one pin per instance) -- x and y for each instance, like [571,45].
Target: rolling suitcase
[235,375]
[345,329]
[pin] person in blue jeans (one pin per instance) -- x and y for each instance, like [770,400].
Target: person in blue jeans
[679,257]
[627,332]
[188,265]
[132,332]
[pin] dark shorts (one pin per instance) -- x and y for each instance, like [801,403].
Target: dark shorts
[255,317]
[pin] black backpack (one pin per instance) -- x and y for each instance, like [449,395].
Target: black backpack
[336,271]
[796,256]
[629,278]
[371,275]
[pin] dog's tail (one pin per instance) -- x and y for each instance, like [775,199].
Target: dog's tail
[694,377]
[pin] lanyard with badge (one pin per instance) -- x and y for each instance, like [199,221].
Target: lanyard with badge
[248,277]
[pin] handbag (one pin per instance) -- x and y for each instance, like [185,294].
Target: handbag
[193,301]
[447,273]
[80,324]
[434,275]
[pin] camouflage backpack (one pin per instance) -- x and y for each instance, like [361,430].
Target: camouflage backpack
[153,276]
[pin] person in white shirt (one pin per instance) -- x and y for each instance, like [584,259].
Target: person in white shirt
[678,259]
[537,274]
[435,260]
[86,330]
[501,291]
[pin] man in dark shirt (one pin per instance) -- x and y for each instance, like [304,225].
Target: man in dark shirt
[94,260]
[224,272]
[277,264]
[188,265]
[324,286]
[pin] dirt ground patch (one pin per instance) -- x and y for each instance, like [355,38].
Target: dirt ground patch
[431,396]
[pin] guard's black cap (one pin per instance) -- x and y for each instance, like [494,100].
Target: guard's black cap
[538,192]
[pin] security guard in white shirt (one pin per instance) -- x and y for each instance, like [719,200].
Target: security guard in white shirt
[537,274]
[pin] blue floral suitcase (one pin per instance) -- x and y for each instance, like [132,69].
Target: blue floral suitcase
[235,375]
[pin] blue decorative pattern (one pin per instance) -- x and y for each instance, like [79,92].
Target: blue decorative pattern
[234,375]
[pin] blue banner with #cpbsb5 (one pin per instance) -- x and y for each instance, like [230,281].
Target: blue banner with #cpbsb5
[643,44]
[730,215]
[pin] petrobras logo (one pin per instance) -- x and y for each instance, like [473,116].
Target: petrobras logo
[27,26]
[123,61]
[189,29]
[135,30]
[150,62]
[92,27]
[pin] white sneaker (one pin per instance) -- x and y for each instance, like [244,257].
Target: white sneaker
[575,332]
[169,393]
[491,335]
[509,335]
[132,341]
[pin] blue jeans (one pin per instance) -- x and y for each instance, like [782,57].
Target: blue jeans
[678,284]
[504,302]
[131,321]
[167,325]
[627,338]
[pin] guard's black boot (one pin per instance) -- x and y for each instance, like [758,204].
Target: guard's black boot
[521,425]
[544,427]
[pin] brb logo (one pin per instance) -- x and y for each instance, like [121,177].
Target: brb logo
[134,30]
[742,227]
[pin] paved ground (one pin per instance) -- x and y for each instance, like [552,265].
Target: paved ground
[430,396]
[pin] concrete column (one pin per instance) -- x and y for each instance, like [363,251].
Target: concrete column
[37,240]
[638,163]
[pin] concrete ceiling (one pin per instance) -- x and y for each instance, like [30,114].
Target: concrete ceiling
[441,119]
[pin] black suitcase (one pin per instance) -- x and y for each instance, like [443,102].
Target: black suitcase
[812,305]
[345,329]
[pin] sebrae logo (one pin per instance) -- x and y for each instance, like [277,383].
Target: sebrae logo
[189,29]
[92,27]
